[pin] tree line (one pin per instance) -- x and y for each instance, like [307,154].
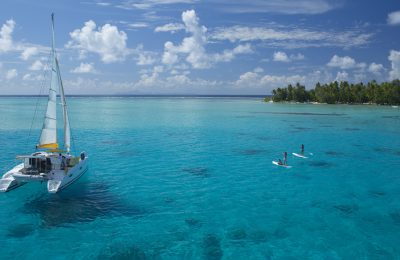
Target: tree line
[385,93]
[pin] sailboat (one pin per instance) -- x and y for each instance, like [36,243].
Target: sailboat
[49,163]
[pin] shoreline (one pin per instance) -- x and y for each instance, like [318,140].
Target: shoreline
[319,103]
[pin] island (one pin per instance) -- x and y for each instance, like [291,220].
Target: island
[343,92]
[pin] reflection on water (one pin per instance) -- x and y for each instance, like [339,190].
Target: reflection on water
[80,203]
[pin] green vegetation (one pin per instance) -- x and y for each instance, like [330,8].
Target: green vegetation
[386,93]
[267,99]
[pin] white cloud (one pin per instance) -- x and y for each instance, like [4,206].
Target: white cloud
[151,78]
[149,4]
[27,77]
[138,25]
[359,77]
[30,77]
[255,79]
[107,41]
[375,69]
[258,70]
[192,48]
[10,74]
[345,62]
[28,52]
[91,85]
[84,68]
[145,59]
[103,4]
[6,41]
[249,78]
[37,65]
[394,18]
[342,76]
[170,27]
[178,79]
[228,55]
[271,80]
[297,56]
[394,58]
[281,56]
[292,37]
[279,6]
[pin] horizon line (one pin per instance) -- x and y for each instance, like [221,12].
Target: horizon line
[137,95]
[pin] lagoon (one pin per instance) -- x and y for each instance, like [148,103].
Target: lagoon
[191,178]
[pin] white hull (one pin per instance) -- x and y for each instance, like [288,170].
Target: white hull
[61,180]
[56,179]
[8,182]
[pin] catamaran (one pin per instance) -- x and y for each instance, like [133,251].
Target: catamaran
[50,164]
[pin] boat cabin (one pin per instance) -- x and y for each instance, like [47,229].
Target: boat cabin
[42,163]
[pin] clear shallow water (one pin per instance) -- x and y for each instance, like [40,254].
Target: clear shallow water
[174,178]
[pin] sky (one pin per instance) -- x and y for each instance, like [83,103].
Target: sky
[204,47]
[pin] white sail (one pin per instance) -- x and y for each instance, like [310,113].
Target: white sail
[48,136]
[67,130]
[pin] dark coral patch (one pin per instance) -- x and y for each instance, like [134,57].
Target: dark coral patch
[211,245]
[251,152]
[258,236]
[192,222]
[122,252]
[197,171]
[236,234]
[347,209]
[321,164]
[395,217]
[20,230]
[334,153]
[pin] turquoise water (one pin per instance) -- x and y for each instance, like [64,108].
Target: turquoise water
[191,178]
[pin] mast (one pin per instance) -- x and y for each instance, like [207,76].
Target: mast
[67,129]
[48,136]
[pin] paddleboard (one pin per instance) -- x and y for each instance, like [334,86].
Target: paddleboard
[300,155]
[277,164]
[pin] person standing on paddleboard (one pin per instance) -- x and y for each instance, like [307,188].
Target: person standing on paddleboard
[284,158]
[302,149]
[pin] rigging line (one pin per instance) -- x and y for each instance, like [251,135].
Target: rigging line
[40,92]
[71,136]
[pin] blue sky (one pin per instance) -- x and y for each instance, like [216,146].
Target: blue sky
[197,47]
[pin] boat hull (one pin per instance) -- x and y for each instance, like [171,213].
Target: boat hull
[60,180]
[8,182]
[57,180]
